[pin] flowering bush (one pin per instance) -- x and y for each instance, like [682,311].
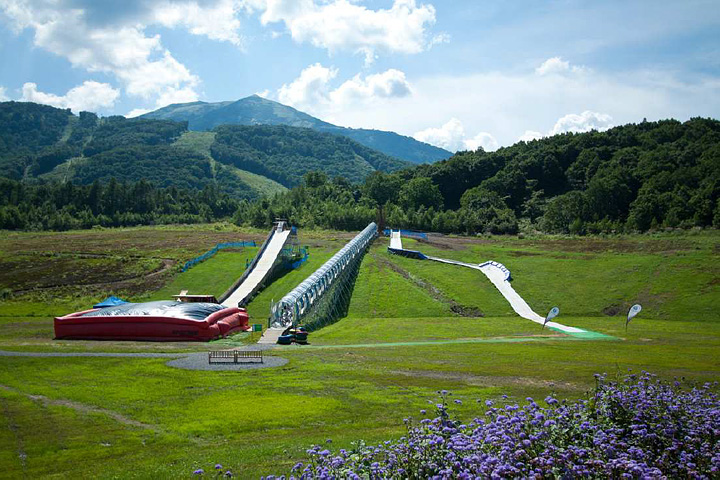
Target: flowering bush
[217,472]
[638,427]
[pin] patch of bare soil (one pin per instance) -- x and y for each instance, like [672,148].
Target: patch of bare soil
[54,274]
[615,245]
[489,381]
[81,407]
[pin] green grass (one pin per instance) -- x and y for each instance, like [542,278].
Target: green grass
[211,277]
[261,421]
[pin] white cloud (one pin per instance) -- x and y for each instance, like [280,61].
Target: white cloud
[3,95]
[558,66]
[309,91]
[509,104]
[264,94]
[136,112]
[583,122]
[312,91]
[530,135]
[110,38]
[451,136]
[217,22]
[90,96]
[176,95]
[388,84]
[482,139]
[343,25]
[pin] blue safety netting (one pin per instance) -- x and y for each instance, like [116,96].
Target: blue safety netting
[407,233]
[214,250]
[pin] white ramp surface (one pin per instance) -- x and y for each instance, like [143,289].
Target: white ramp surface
[395,240]
[262,267]
[499,278]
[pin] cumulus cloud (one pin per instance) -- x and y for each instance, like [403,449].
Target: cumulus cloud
[388,84]
[530,135]
[90,96]
[3,95]
[110,38]
[508,104]
[136,112]
[312,90]
[217,22]
[584,122]
[451,136]
[343,25]
[309,90]
[558,66]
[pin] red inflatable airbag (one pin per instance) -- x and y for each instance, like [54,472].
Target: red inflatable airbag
[153,328]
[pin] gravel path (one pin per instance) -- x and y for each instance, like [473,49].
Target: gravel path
[199,361]
[187,361]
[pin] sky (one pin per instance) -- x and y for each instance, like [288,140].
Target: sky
[459,74]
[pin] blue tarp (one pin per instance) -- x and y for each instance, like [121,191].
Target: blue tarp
[110,302]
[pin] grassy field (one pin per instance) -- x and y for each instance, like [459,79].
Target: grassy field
[413,327]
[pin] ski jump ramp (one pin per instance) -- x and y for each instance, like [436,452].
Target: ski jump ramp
[498,274]
[260,269]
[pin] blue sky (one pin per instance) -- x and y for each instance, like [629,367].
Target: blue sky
[458,74]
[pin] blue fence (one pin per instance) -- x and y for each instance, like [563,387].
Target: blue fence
[214,250]
[407,233]
[305,254]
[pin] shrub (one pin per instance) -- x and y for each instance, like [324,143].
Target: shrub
[638,427]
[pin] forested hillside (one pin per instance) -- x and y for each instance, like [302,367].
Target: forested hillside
[631,178]
[44,143]
[636,177]
[285,154]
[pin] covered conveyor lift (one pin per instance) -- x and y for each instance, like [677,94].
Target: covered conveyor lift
[261,268]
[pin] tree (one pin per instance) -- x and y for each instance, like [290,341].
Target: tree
[420,192]
[381,188]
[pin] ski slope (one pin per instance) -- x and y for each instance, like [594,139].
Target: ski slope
[261,269]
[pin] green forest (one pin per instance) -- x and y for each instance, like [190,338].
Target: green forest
[65,206]
[65,171]
[635,177]
[42,143]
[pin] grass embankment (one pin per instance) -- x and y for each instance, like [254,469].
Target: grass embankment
[162,422]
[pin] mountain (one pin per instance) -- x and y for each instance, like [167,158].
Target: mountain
[255,110]
[39,142]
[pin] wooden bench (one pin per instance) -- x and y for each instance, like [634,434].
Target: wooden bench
[237,356]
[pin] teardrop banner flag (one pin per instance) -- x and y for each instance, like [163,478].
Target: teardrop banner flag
[554,312]
[634,310]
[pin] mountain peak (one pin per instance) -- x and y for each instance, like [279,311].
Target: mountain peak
[257,110]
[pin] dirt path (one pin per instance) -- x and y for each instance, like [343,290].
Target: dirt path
[81,407]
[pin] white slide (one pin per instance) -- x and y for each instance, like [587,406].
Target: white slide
[395,240]
[260,271]
[499,275]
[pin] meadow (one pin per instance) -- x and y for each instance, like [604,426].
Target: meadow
[413,328]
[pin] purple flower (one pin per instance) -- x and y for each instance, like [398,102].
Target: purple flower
[199,471]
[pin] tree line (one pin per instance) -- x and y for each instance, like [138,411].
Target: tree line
[636,177]
[65,206]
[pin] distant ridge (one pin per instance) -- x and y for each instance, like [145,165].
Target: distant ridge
[255,110]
